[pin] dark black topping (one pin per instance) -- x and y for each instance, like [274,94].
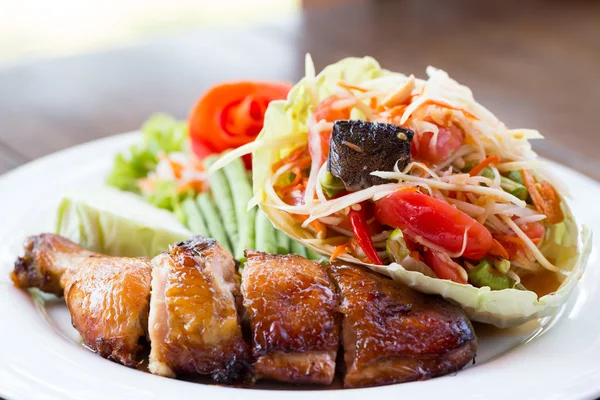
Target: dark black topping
[197,243]
[360,147]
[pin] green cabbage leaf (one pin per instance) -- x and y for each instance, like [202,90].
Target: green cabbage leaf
[117,223]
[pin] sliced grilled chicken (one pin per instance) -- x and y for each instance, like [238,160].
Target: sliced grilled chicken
[194,325]
[291,304]
[106,296]
[393,334]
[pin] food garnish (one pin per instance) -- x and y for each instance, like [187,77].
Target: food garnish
[230,115]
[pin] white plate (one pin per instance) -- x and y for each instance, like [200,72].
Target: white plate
[41,357]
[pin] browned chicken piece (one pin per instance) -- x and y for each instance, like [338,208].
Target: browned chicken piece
[106,296]
[292,305]
[194,325]
[393,334]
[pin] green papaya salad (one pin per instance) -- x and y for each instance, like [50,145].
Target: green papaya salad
[415,179]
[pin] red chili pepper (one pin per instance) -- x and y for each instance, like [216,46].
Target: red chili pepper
[358,221]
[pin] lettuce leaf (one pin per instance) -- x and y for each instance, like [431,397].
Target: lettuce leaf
[116,223]
[503,308]
[161,134]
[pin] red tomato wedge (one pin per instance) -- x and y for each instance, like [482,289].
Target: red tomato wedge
[534,230]
[435,221]
[448,141]
[442,269]
[515,247]
[230,115]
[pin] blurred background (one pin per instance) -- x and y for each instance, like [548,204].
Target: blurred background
[72,71]
[42,29]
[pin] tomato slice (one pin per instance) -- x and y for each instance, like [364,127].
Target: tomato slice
[515,247]
[534,230]
[448,141]
[435,221]
[442,269]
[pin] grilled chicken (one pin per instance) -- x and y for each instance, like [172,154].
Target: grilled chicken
[291,304]
[393,334]
[296,309]
[194,325]
[106,296]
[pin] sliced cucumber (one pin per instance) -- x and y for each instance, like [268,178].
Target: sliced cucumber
[484,275]
[395,246]
[508,185]
[331,185]
[502,266]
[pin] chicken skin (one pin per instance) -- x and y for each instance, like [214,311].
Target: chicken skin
[194,325]
[106,296]
[393,334]
[292,305]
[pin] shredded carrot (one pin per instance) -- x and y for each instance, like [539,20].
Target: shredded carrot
[287,189]
[498,250]
[339,251]
[319,228]
[374,103]
[304,162]
[195,186]
[416,255]
[511,239]
[145,184]
[516,239]
[294,195]
[398,110]
[529,182]
[554,214]
[197,163]
[479,167]
[450,107]
[176,167]
[409,189]
[297,154]
[326,111]
[352,87]
[546,201]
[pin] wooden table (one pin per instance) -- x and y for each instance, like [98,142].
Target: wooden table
[534,63]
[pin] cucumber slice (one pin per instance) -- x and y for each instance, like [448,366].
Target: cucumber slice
[331,185]
[484,275]
[511,186]
[395,246]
